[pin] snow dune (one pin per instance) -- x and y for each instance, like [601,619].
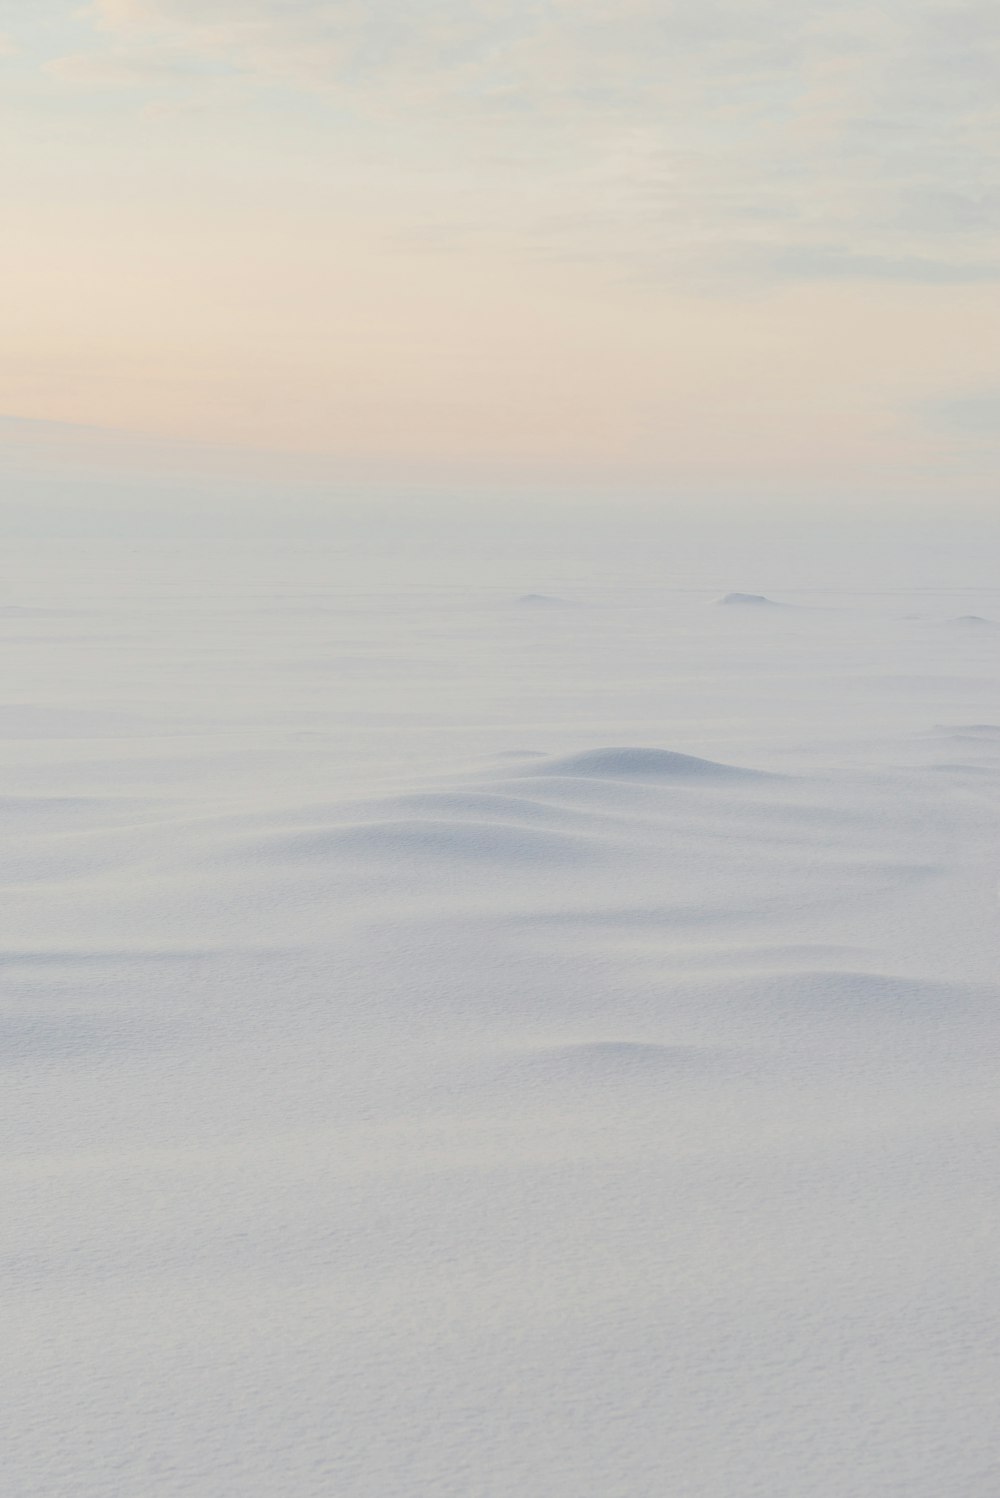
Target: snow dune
[640,764]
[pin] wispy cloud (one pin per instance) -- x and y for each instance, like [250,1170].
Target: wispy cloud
[782,138]
[125,68]
[973,413]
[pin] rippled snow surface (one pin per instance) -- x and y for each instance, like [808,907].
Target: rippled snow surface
[483,1030]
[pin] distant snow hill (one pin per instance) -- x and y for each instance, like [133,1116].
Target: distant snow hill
[753,600]
[544,601]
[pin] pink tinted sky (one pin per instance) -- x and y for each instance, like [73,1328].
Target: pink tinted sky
[714,248]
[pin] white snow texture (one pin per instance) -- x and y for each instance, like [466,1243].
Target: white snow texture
[496,1031]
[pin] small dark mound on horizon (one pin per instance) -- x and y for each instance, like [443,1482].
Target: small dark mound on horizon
[543,601]
[751,600]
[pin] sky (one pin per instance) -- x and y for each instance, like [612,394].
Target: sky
[678,248]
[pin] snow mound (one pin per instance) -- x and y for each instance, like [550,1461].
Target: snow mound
[419,838]
[753,600]
[641,764]
[604,1065]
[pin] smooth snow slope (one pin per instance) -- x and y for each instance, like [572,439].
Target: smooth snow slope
[459,1050]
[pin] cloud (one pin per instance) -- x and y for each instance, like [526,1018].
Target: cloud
[840,262]
[782,139]
[124,69]
[972,414]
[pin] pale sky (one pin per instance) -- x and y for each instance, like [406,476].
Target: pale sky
[686,246]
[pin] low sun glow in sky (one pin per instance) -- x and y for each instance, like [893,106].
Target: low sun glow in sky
[707,245]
